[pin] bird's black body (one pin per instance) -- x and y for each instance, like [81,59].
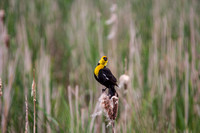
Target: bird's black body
[106,78]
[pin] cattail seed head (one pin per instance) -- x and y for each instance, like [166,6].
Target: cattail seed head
[123,81]
[2,15]
[33,92]
[7,40]
[109,106]
[115,106]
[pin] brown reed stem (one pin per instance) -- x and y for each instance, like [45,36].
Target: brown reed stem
[34,118]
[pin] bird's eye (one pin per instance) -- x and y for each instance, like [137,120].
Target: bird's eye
[105,58]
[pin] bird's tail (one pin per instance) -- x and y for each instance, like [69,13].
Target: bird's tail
[112,91]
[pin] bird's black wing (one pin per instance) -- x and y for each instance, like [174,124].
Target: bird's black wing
[106,76]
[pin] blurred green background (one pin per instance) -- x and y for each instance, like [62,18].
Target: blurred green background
[154,42]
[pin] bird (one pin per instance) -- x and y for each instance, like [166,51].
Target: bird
[105,77]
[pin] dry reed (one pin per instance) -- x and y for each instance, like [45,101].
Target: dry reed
[0,87]
[10,66]
[186,89]
[26,119]
[77,109]
[71,107]
[112,22]
[44,95]
[33,93]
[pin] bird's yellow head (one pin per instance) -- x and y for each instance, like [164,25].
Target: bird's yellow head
[103,61]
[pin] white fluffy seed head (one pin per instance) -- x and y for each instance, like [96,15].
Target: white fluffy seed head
[123,81]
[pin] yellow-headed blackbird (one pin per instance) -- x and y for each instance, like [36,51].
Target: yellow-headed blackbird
[105,77]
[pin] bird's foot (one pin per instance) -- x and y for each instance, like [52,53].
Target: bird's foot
[104,90]
[111,95]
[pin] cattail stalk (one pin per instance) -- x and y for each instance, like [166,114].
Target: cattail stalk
[113,22]
[0,94]
[26,104]
[96,112]
[77,113]
[47,91]
[99,33]
[186,90]
[71,108]
[34,98]
[113,127]
[0,87]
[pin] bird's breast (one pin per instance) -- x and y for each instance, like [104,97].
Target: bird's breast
[97,69]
